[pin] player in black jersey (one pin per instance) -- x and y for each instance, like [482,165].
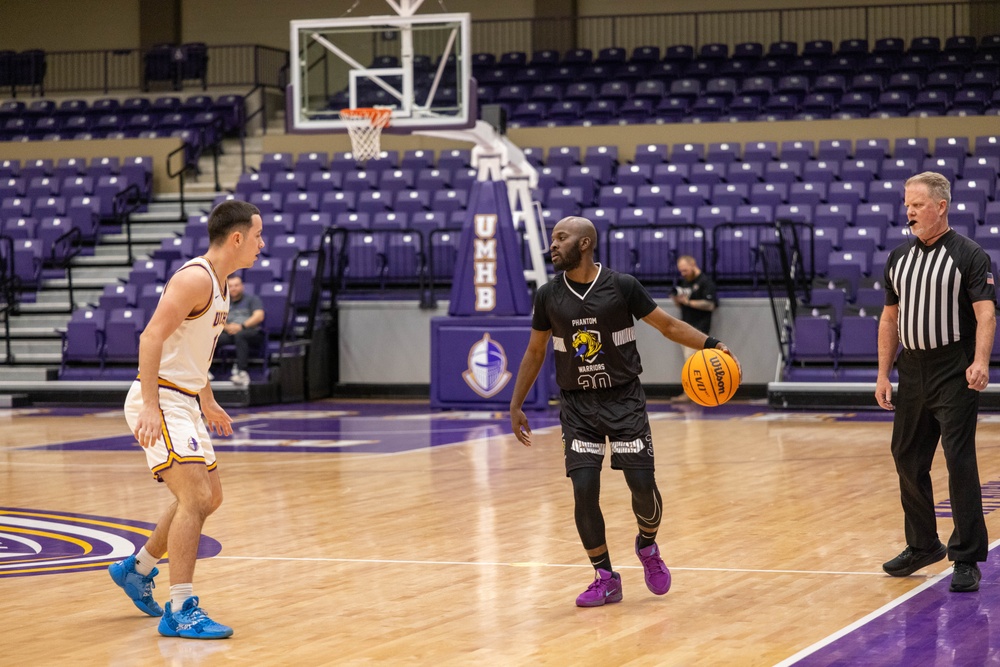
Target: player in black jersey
[589,312]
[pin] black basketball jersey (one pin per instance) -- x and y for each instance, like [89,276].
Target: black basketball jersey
[593,328]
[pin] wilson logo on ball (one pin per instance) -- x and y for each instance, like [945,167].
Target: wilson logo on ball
[710,377]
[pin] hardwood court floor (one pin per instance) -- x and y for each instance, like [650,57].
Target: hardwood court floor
[775,528]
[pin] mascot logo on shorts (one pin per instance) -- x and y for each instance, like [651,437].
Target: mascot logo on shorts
[487,373]
[587,345]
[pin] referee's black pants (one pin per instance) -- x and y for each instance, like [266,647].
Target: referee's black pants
[934,401]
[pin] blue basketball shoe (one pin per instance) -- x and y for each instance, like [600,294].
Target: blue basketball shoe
[137,587]
[191,622]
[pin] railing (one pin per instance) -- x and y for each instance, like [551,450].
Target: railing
[8,290]
[124,204]
[64,250]
[765,26]
[124,69]
[190,155]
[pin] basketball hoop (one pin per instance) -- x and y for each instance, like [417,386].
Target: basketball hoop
[365,126]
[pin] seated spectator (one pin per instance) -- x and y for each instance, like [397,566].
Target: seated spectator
[246,313]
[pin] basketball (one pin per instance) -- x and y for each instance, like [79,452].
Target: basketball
[710,377]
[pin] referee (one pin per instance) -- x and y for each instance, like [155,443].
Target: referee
[940,304]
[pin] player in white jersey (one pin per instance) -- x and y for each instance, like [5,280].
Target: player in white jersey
[163,411]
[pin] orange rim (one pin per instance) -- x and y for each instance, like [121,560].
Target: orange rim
[377,117]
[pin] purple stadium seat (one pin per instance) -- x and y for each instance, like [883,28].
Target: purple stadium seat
[916,148]
[335,203]
[748,172]
[616,196]
[948,167]
[673,175]
[850,193]
[879,215]
[692,194]
[301,202]
[403,253]
[723,152]
[782,172]
[675,215]
[735,252]
[730,194]
[706,173]
[797,151]
[769,193]
[813,339]
[981,168]
[634,174]
[352,220]
[250,183]
[833,215]
[586,178]
[267,202]
[865,240]
[83,340]
[899,168]
[809,193]
[653,196]
[621,252]
[859,338]
[375,201]
[753,213]
[449,201]
[712,216]
[636,217]
[288,181]
[387,220]
[760,151]
[122,331]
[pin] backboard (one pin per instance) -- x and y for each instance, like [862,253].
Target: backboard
[419,66]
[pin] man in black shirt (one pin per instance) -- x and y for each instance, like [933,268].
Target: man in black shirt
[695,296]
[940,304]
[589,313]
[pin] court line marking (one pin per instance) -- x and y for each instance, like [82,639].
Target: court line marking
[881,611]
[391,561]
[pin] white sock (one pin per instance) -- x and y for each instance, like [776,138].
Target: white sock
[178,594]
[145,562]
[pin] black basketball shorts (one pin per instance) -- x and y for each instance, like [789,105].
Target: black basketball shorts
[595,419]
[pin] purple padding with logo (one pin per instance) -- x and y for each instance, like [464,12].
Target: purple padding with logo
[474,362]
[489,274]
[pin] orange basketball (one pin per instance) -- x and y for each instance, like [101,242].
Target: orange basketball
[710,377]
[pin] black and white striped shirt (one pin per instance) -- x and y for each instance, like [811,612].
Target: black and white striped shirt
[935,287]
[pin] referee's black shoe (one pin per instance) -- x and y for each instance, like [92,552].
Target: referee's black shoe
[966,577]
[911,560]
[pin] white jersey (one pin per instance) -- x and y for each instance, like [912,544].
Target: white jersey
[187,352]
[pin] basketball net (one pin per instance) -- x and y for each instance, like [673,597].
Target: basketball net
[365,125]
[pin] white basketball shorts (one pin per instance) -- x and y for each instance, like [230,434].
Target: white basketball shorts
[183,435]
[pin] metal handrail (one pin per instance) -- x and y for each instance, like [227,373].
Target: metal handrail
[8,291]
[191,158]
[697,28]
[123,205]
[72,244]
[123,69]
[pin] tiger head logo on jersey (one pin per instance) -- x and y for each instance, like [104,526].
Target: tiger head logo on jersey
[587,345]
